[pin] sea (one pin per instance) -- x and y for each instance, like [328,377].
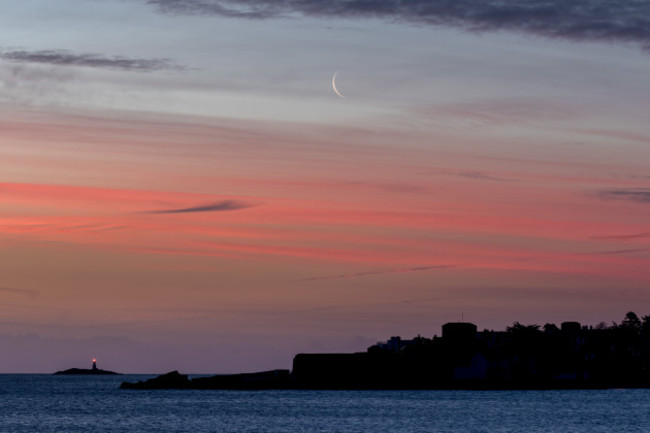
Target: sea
[47,403]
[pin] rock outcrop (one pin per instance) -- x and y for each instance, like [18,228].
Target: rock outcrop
[274,379]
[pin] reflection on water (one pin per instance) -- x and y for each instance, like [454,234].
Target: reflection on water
[44,403]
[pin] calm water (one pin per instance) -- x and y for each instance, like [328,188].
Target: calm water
[44,403]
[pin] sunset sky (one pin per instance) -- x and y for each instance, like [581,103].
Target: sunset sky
[181,188]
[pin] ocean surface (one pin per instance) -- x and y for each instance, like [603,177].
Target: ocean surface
[46,403]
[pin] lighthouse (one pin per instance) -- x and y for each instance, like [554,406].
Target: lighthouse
[94,364]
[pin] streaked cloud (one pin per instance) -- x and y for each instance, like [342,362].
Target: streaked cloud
[581,20]
[629,251]
[619,135]
[371,273]
[24,292]
[633,194]
[212,207]
[497,112]
[624,237]
[91,60]
[480,176]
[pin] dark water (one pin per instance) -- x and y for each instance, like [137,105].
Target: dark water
[44,403]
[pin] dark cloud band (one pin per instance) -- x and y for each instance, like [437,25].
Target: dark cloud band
[221,206]
[584,20]
[65,58]
[633,194]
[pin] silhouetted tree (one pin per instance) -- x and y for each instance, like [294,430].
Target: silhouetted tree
[518,328]
[631,322]
[645,325]
[550,328]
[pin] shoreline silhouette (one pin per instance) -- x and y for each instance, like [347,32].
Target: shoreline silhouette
[521,357]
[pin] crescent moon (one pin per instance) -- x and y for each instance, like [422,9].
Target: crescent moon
[334,86]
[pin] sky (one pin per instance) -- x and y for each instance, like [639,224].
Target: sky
[182,189]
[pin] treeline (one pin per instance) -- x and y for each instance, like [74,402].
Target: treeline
[630,323]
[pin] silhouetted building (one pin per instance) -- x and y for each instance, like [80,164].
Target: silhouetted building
[572,327]
[395,344]
[459,331]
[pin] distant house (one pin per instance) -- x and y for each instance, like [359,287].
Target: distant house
[395,344]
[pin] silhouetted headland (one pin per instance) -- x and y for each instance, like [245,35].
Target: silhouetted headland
[274,379]
[521,357]
[92,371]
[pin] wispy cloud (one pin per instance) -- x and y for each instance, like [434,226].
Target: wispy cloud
[24,292]
[615,252]
[633,194]
[583,20]
[91,60]
[624,237]
[496,112]
[212,207]
[226,8]
[480,176]
[371,273]
[618,135]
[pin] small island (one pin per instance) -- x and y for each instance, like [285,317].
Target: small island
[571,356]
[86,371]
